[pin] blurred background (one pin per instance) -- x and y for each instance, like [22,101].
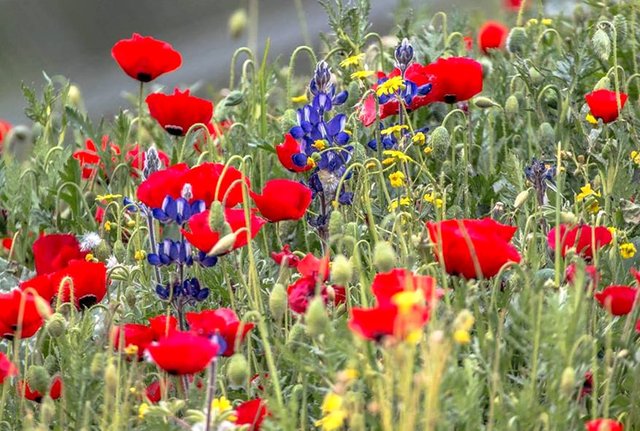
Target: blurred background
[73,38]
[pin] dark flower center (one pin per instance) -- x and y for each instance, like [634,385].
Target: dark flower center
[87,301]
[174,130]
[144,77]
[450,98]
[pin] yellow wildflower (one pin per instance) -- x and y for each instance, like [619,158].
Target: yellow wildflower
[547,21]
[612,230]
[361,74]
[433,199]
[586,191]
[407,300]
[133,390]
[591,119]
[221,404]
[532,21]
[404,202]
[140,255]
[635,156]
[396,129]
[627,250]
[320,144]
[419,138]
[397,155]
[396,179]
[90,257]
[354,60]
[349,374]
[131,350]
[108,197]
[107,226]
[428,150]
[131,223]
[461,336]
[391,86]
[300,99]
[333,411]
[142,410]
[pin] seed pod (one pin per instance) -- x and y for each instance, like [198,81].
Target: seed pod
[38,379]
[336,222]
[278,301]
[536,77]
[511,106]
[517,40]
[568,381]
[484,102]
[547,134]
[316,318]
[237,371]
[56,325]
[119,251]
[521,198]
[237,23]
[111,378]
[601,45]
[384,257]
[341,271]
[216,216]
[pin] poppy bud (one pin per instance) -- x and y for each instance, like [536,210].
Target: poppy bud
[341,271]
[111,378]
[511,106]
[568,217]
[130,296]
[37,378]
[224,244]
[521,198]
[336,221]
[102,251]
[517,40]
[620,24]
[56,325]
[234,98]
[568,381]
[97,365]
[487,66]
[278,301]
[47,411]
[51,364]
[351,229]
[384,257]
[216,216]
[601,44]
[119,251]
[316,318]
[603,84]
[237,371]
[439,140]
[295,334]
[484,102]
[547,134]
[237,23]
[536,77]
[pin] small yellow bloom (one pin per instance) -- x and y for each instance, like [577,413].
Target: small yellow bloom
[419,138]
[627,250]
[532,21]
[407,300]
[90,257]
[320,144]
[300,99]
[350,374]
[591,119]
[362,74]
[142,410]
[133,390]
[433,199]
[586,191]
[428,150]
[635,156]
[612,230]
[391,86]
[108,197]
[462,337]
[221,404]
[140,255]
[107,226]
[396,179]
[547,21]
[354,60]
[131,223]
[397,155]
[131,350]
[310,162]
[334,413]
[396,129]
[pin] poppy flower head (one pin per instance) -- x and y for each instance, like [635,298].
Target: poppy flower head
[161,326]
[585,239]
[591,273]
[283,199]
[216,182]
[89,158]
[55,390]
[291,155]
[473,248]
[5,127]
[513,5]
[287,256]
[311,266]
[144,58]
[53,252]
[603,425]
[455,79]
[160,184]
[252,413]
[84,283]
[40,284]
[7,368]
[389,320]
[618,300]
[177,112]
[182,353]
[137,158]
[604,104]
[223,323]
[132,335]
[492,35]
[303,290]
[20,314]
[399,280]
[200,235]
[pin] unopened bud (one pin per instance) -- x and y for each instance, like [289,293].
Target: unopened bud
[278,301]
[536,77]
[603,84]
[336,222]
[521,198]
[484,102]
[547,134]
[316,318]
[568,217]
[47,411]
[341,271]
[56,325]
[130,295]
[216,216]
[111,378]
[296,333]
[51,364]
[511,106]
[601,45]
[38,379]
[384,257]
[517,40]
[97,365]
[102,251]
[237,23]
[119,251]
[74,97]
[237,371]
[224,244]
[568,381]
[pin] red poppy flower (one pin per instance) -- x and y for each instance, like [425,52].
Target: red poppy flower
[222,322]
[380,322]
[252,413]
[455,79]
[387,284]
[88,284]
[7,243]
[54,251]
[463,244]
[283,200]
[161,326]
[468,43]
[587,385]
[40,284]
[7,369]
[303,290]
[145,58]
[513,5]
[200,235]
[177,112]
[20,315]
[5,127]
[603,104]
[55,390]
[285,255]
[132,334]
[585,239]
[216,182]
[603,425]
[137,158]
[618,300]
[182,353]
[89,158]
[492,35]
[288,150]
[153,392]
[160,184]
[590,271]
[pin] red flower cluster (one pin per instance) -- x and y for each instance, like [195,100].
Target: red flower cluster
[473,248]
[141,336]
[209,182]
[585,239]
[604,104]
[618,300]
[181,353]
[223,323]
[492,35]
[404,302]
[145,58]
[20,314]
[177,112]
[604,425]
[55,390]
[283,200]
[315,274]
[590,270]
[286,256]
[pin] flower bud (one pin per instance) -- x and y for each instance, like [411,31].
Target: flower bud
[404,54]
[341,271]
[620,24]
[102,251]
[547,134]
[511,106]
[521,198]
[74,96]
[484,102]
[237,371]
[296,333]
[601,45]
[97,365]
[517,40]
[111,378]
[536,77]
[56,325]
[119,251]
[51,364]
[568,381]
[336,221]
[38,379]
[384,257]
[487,66]
[568,217]
[216,216]
[440,141]
[224,245]
[130,295]
[237,23]
[278,301]
[316,318]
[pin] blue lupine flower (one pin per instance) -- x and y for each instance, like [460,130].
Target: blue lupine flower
[177,210]
[169,252]
[188,291]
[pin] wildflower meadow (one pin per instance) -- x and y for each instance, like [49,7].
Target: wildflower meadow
[429,229]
